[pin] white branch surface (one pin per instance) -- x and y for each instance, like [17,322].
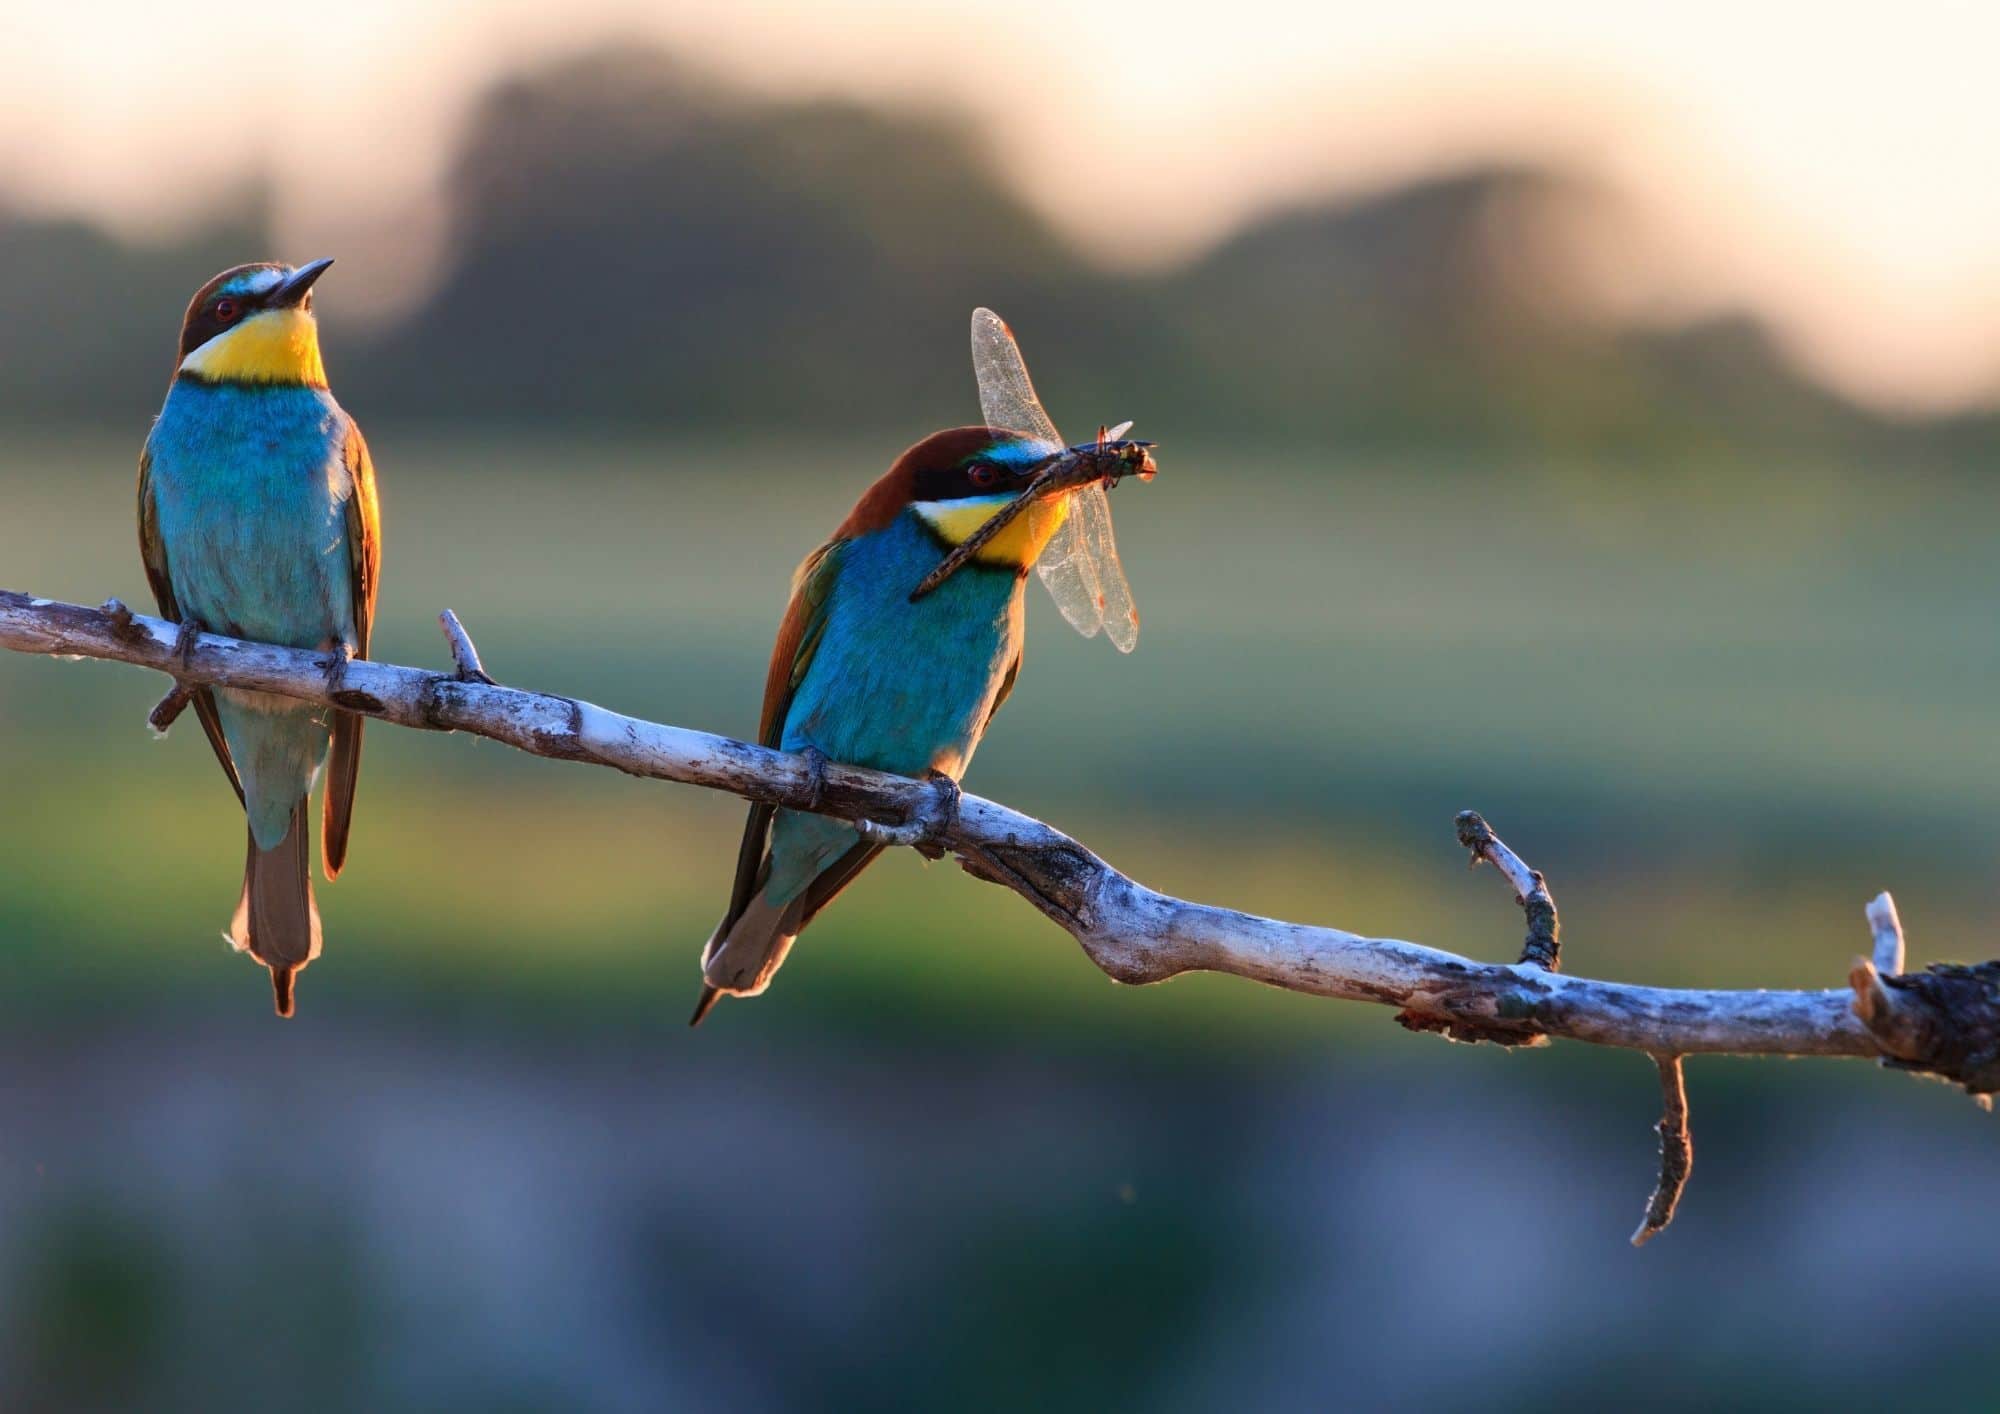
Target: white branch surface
[1135,934]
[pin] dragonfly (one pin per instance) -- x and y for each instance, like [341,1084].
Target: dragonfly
[1080,565]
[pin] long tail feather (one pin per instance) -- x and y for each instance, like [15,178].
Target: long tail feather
[751,944]
[741,959]
[276,920]
[709,997]
[343,773]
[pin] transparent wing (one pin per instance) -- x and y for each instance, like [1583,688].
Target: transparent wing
[1006,395]
[1080,565]
[1083,575]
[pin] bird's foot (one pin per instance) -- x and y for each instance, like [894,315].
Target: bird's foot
[815,776]
[927,828]
[333,667]
[942,816]
[169,708]
[191,631]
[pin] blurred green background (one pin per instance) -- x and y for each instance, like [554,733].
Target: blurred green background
[1709,643]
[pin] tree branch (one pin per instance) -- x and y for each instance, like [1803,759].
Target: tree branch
[1945,1021]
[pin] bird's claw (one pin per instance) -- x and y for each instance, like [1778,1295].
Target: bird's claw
[815,776]
[190,632]
[333,667]
[926,829]
[169,708]
[942,815]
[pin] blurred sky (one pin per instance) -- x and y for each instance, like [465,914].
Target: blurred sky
[1830,166]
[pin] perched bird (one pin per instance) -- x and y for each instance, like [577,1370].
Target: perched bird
[864,675]
[258,519]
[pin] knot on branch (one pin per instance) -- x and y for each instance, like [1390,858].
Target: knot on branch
[1511,1018]
[1468,1030]
[1943,1021]
[123,627]
[1056,877]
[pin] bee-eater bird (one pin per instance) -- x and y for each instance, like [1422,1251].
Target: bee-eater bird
[862,674]
[258,519]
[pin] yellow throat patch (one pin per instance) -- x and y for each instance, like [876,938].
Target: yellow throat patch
[271,346]
[1018,546]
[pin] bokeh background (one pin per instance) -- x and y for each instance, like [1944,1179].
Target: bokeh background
[1584,416]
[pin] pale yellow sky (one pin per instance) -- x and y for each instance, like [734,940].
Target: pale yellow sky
[1832,165]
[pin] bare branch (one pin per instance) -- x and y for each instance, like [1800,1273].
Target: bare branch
[1131,932]
[1676,1150]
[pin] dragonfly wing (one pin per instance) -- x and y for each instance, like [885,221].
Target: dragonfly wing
[1080,565]
[1006,394]
[1115,609]
[1066,569]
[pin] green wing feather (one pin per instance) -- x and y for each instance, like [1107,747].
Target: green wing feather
[154,554]
[364,555]
[799,634]
[1006,691]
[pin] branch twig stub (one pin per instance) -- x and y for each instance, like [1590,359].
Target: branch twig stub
[1543,945]
[1676,1151]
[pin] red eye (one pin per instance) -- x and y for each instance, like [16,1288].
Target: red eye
[225,309]
[983,475]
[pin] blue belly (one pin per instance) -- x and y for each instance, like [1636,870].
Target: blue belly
[899,686]
[250,486]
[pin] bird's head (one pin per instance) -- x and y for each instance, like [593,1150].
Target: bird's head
[254,324]
[953,482]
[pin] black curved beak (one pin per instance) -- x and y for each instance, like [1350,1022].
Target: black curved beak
[295,285]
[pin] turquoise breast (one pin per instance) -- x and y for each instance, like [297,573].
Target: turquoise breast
[251,489]
[899,686]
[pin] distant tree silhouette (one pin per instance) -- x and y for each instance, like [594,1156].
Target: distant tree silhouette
[631,242]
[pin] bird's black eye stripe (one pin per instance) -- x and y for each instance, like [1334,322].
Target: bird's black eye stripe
[219,313]
[975,477]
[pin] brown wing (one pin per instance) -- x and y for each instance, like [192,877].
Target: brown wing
[799,634]
[153,552]
[1006,691]
[364,560]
